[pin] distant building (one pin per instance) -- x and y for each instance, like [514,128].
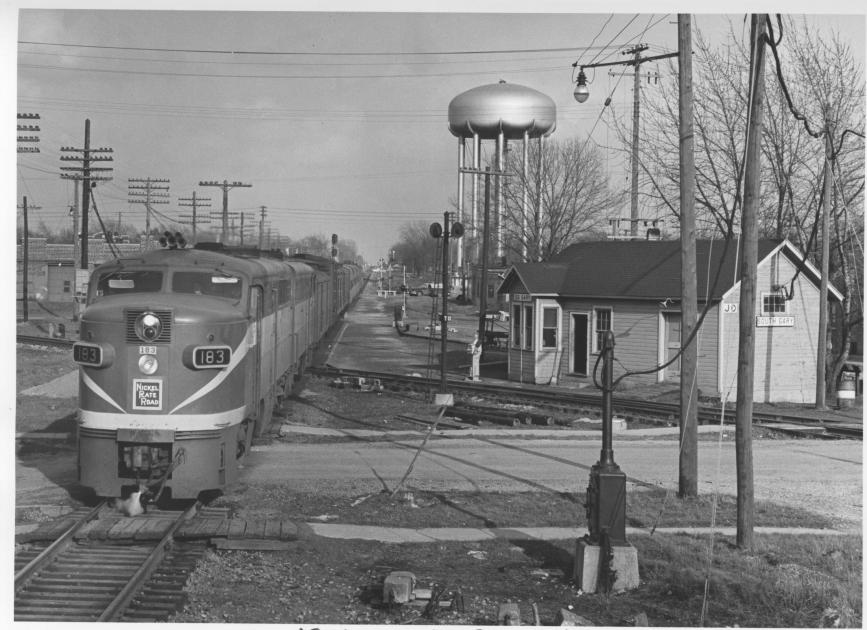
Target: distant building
[560,308]
[51,266]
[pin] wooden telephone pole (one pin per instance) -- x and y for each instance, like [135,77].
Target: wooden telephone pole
[747,306]
[822,351]
[195,219]
[25,251]
[226,186]
[88,175]
[688,468]
[148,191]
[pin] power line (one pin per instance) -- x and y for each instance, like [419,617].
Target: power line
[415,53]
[342,64]
[199,75]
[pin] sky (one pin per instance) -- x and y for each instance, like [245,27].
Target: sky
[336,119]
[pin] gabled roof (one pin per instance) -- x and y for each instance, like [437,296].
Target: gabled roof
[640,269]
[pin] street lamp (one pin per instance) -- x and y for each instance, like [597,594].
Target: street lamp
[582,92]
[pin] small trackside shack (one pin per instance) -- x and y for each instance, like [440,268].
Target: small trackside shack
[560,308]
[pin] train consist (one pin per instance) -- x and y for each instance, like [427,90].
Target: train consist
[183,354]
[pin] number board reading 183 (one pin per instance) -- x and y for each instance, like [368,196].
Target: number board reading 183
[212,356]
[87,354]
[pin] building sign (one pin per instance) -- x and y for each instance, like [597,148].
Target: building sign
[147,394]
[767,321]
[521,297]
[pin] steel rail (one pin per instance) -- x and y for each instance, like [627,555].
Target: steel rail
[54,549]
[117,606]
[36,340]
[561,399]
[94,582]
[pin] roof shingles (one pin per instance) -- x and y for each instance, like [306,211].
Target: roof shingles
[631,269]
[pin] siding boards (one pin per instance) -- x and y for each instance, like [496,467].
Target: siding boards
[785,356]
[636,333]
[707,338]
[522,366]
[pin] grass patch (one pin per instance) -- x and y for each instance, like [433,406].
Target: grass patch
[785,581]
[654,506]
[423,508]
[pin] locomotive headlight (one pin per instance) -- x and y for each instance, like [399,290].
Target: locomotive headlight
[148,364]
[148,326]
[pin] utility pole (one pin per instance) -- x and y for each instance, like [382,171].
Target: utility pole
[76,251]
[636,107]
[483,290]
[25,242]
[27,140]
[822,350]
[148,191]
[244,228]
[226,186]
[195,203]
[230,232]
[88,175]
[261,225]
[582,94]
[688,468]
[747,306]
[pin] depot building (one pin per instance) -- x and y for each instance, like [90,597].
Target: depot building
[560,308]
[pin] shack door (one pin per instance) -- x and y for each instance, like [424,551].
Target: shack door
[671,342]
[580,323]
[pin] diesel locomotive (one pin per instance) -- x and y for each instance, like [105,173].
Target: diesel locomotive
[183,354]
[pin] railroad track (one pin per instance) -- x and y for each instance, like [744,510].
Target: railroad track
[35,340]
[629,407]
[88,581]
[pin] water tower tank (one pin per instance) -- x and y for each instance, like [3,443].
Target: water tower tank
[514,109]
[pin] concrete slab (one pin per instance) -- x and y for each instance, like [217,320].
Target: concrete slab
[300,429]
[586,567]
[475,534]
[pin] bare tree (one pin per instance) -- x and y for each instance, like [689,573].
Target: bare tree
[827,85]
[825,88]
[416,249]
[567,199]
[720,109]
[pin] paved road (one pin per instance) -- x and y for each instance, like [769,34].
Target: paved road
[819,476]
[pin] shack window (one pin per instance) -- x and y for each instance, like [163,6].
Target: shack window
[601,324]
[774,304]
[549,327]
[528,328]
[516,325]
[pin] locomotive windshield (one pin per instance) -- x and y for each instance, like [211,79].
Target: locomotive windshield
[207,283]
[129,281]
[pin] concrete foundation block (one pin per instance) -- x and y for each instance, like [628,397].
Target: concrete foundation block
[586,569]
[508,614]
[397,587]
[444,400]
[566,617]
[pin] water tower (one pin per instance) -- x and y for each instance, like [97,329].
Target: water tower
[500,112]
